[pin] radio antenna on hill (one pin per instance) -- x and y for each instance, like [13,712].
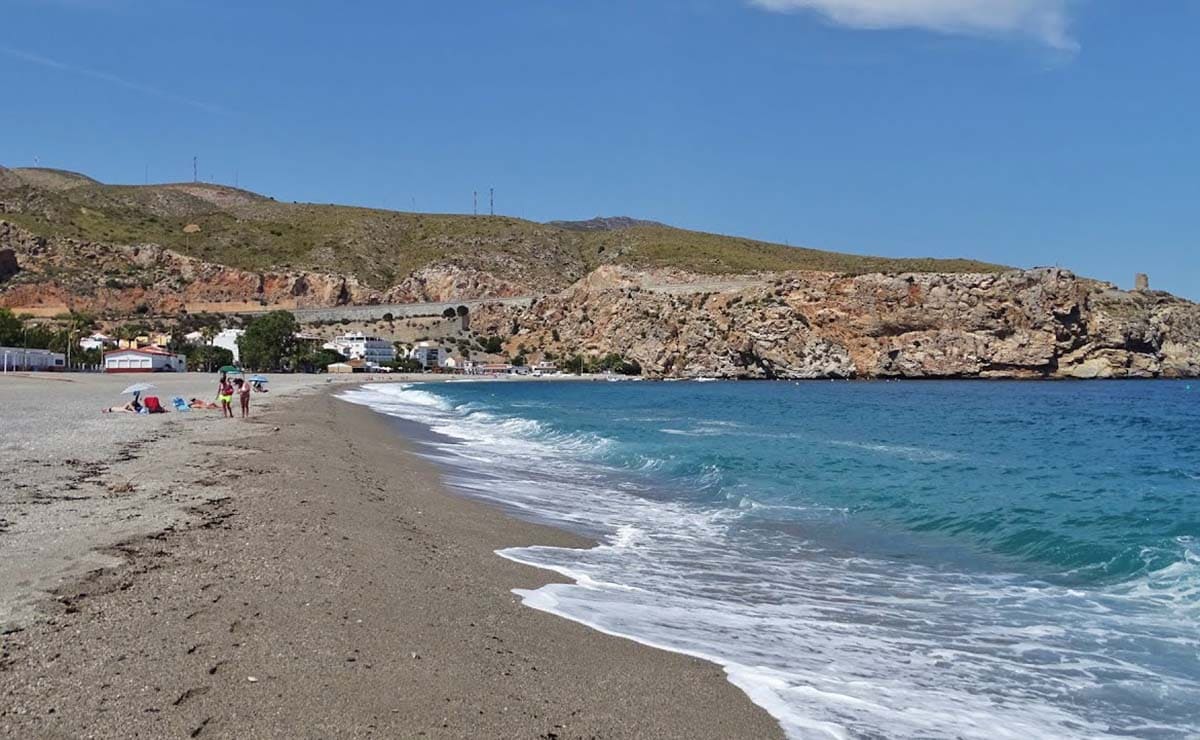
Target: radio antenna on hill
[195,177]
[475,202]
[492,200]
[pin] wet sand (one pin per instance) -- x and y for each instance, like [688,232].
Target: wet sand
[297,575]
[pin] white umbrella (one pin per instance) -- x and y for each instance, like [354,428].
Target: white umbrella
[138,388]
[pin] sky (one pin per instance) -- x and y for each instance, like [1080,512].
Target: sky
[1022,132]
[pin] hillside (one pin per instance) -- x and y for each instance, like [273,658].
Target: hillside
[380,248]
[670,302]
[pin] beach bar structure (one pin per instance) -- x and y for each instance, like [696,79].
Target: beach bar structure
[13,359]
[145,360]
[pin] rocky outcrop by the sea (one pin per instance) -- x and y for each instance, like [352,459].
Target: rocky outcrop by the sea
[1043,323]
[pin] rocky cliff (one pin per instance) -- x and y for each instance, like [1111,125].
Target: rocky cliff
[59,274]
[1044,323]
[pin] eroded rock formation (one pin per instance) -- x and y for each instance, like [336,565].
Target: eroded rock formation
[1044,323]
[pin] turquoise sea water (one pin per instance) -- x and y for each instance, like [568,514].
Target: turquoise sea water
[912,559]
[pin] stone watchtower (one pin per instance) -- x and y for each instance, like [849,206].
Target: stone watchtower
[1141,281]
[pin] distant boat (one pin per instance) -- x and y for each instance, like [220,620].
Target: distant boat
[706,380]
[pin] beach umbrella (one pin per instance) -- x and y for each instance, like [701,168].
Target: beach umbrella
[230,370]
[259,379]
[139,388]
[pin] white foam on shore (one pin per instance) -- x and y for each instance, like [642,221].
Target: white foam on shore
[833,646]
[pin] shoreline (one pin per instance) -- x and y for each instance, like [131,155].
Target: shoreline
[329,564]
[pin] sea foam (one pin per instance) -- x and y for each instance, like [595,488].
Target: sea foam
[834,640]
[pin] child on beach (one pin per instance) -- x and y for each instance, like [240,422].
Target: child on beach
[225,396]
[244,394]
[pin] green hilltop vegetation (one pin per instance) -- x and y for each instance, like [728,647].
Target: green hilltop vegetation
[251,231]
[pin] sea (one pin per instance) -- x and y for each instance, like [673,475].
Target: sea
[915,559]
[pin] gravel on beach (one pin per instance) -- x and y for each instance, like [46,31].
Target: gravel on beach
[297,574]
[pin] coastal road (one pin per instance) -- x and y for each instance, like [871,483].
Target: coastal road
[374,312]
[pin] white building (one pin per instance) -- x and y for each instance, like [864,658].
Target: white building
[491,368]
[194,337]
[19,358]
[359,346]
[97,341]
[144,360]
[228,339]
[429,355]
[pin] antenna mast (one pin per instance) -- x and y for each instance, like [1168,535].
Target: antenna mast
[492,200]
[195,177]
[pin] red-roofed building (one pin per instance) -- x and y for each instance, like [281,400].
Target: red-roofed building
[144,360]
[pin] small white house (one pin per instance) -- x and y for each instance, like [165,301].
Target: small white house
[97,341]
[145,360]
[429,355]
[359,346]
[228,339]
[19,358]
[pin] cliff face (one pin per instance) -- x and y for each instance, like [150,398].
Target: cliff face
[60,274]
[448,282]
[1020,324]
[1044,323]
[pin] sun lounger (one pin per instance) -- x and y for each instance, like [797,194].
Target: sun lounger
[180,404]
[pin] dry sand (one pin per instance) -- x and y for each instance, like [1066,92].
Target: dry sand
[184,575]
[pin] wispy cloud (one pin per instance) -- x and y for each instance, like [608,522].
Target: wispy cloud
[111,79]
[1044,20]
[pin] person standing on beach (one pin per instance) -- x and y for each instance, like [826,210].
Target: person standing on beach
[225,396]
[243,389]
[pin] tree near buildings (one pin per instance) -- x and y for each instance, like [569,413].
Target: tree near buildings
[10,328]
[269,343]
[207,358]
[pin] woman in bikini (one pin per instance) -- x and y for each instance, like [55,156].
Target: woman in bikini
[243,389]
[225,396]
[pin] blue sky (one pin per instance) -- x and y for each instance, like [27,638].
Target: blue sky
[1026,132]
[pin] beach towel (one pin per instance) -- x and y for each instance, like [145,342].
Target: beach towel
[180,404]
[153,406]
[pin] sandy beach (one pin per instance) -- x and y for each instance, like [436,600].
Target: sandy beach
[299,574]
